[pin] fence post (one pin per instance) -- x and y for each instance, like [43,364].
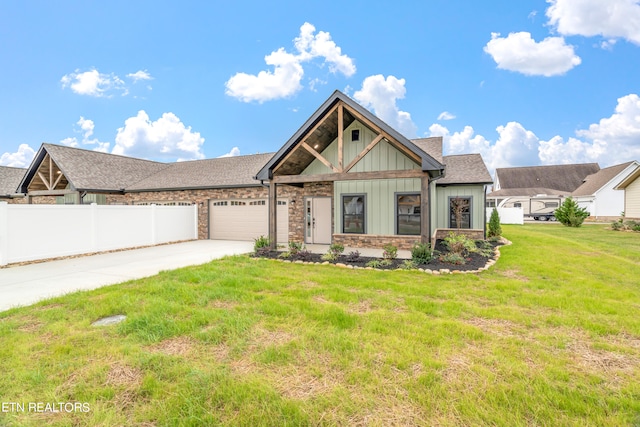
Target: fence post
[94,227]
[4,233]
[195,221]
[153,224]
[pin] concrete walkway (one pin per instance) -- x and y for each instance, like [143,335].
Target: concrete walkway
[27,284]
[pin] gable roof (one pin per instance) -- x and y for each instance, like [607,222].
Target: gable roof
[10,178]
[556,177]
[527,192]
[236,171]
[465,169]
[325,136]
[91,170]
[432,146]
[596,181]
[628,180]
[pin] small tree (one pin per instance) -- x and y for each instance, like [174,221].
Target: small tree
[495,229]
[570,214]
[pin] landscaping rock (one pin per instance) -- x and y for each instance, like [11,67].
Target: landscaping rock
[108,321]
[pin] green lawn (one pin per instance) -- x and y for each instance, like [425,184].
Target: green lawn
[549,336]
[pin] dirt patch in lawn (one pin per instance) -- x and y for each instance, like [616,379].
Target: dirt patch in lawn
[596,360]
[361,307]
[494,327]
[178,346]
[121,375]
[513,274]
[219,303]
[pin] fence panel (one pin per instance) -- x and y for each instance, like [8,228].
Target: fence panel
[32,232]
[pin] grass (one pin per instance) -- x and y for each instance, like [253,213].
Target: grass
[548,336]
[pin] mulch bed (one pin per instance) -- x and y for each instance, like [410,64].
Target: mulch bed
[473,261]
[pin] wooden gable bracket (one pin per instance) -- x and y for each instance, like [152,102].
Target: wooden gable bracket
[319,156]
[313,129]
[363,152]
[49,182]
[364,120]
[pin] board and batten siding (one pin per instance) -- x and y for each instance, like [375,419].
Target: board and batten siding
[632,199]
[380,202]
[443,193]
[382,157]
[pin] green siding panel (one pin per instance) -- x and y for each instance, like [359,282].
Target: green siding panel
[380,199]
[476,192]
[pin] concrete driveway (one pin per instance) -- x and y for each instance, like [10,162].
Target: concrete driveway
[27,284]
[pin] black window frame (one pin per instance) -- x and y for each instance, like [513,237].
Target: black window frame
[397,213]
[452,223]
[364,212]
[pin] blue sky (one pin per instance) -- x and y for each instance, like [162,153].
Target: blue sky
[522,83]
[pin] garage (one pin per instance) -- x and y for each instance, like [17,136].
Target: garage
[246,219]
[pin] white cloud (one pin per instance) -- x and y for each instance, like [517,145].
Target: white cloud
[100,85]
[139,75]
[20,159]
[519,52]
[515,146]
[607,18]
[235,151]
[93,83]
[167,138]
[613,140]
[286,77]
[86,127]
[380,95]
[445,115]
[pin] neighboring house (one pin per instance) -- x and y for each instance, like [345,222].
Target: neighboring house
[10,178]
[537,189]
[630,186]
[361,183]
[598,195]
[344,177]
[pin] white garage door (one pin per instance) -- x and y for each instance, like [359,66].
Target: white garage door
[246,219]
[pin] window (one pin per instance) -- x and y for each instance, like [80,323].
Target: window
[408,214]
[355,135]
[459,212]
[258,203]
[353,210]
[223,203]
[550,204]
[517,205]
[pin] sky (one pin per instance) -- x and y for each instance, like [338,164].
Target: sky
[521,82]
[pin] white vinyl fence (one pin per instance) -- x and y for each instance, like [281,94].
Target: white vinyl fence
[508,215]
[32,232]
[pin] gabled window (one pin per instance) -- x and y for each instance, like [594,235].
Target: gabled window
[353,213]
[355,135]
[460,212]
[408,214]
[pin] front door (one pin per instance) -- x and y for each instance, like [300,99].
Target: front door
[318,220]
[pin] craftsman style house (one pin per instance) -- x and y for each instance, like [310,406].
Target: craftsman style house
[344,177]
[361,183]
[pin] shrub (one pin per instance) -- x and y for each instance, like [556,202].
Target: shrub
[260,243]
[390,252]
[421,253]
[495,230]
[303,255]
[263,251]
[285,255]
[353,256]
[408,264]
[617,226]
[636,227]
[459,244]
[336,249]
[570,214]
[374,263]
[386,262]
[295,247]
[452,258]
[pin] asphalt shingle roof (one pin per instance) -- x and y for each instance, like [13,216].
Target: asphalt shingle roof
[596,181]
[465,169]
[237,171]
[558,177]
[432,146]
[10,179]
[91,170]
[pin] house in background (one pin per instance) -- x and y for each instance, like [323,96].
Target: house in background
[537,189]
[598,194]
[9,179]
[362,184]
[630,187]
[344,177]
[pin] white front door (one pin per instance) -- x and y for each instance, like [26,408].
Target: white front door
[318,220]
